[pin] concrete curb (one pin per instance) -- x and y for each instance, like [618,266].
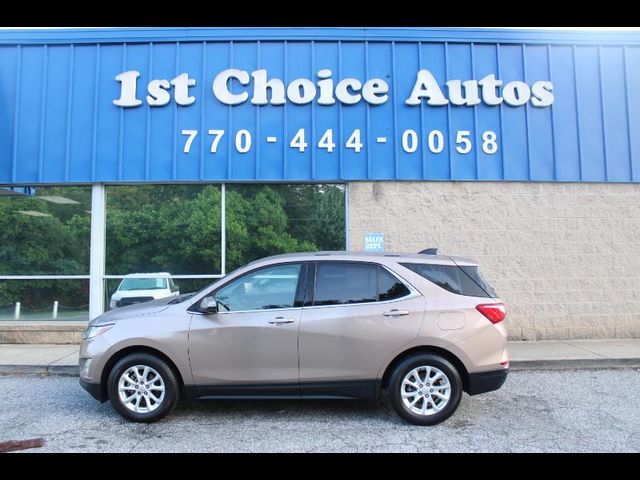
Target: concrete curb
[574,364]
[63,370]
[519,365]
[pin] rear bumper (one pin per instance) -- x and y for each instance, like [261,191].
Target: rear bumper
[94,389]
[483,382]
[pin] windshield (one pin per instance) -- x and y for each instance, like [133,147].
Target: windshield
[143,284]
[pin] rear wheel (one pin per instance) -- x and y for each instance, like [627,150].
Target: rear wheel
[425,389]
[142,387]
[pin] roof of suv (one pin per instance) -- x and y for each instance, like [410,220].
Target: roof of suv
[399,257]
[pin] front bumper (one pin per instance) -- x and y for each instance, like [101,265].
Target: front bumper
[94,389]
[483,382]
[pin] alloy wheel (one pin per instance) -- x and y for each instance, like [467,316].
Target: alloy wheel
[425,390]
[141,389]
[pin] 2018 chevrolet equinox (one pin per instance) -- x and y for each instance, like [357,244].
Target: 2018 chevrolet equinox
[424,327]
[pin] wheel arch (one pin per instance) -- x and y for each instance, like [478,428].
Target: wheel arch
[462,370]
[117,356]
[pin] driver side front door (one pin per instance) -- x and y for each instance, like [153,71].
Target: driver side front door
[250,347]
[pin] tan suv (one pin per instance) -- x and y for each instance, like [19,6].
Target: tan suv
[308,325]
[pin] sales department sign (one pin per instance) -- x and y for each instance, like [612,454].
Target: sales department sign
[235,87]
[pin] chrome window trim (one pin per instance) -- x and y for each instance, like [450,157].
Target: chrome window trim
[412,295]
[248,311]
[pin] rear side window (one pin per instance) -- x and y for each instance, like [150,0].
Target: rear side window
[340,283]
[459,280]
[389,287]
[478,278]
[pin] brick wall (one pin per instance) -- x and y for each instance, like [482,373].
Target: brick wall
[565,257]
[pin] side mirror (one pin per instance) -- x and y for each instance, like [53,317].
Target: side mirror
[208,305]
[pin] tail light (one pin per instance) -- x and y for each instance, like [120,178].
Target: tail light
[495,312]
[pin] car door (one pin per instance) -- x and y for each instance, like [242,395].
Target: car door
[250,346]
[359,314]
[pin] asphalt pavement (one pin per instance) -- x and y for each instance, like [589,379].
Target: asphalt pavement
[535,411]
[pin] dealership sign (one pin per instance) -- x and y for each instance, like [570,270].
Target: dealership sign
[235,87]
[318,105]
[326,91]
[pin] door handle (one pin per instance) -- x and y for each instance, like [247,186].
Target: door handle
[396,313]
[281,321]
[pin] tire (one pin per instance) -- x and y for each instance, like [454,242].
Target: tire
[436,409]
[148,410]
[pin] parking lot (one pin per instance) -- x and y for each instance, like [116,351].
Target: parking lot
[544,411]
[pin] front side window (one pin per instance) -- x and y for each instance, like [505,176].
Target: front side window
[263,289]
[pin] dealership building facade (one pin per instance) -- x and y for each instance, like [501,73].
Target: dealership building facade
[191,151]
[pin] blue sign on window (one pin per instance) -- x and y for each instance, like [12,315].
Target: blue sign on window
[374,242]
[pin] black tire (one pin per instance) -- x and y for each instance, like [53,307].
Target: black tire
[171,386]
[394,393]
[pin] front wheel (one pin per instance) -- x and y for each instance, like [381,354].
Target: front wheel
[142,387]
[425,389]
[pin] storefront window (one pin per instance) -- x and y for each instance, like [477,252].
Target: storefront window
[163,228]
[266,220]
[45,230]
[157,230]
[44,300]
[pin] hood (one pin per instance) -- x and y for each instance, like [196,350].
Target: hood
[119,294]
[132,311]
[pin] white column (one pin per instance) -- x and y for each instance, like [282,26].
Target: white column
[96,269]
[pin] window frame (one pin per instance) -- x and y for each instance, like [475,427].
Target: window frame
[312,278]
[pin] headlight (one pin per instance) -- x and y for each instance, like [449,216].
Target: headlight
[91,332]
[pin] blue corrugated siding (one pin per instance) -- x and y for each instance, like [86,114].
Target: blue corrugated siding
[58,123]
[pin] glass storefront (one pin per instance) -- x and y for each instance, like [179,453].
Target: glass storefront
[163,228]
[45,233]
[45,230]
[177,230]
[264,220]
[171,234]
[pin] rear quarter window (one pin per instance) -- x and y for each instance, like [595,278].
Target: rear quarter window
[459,280]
